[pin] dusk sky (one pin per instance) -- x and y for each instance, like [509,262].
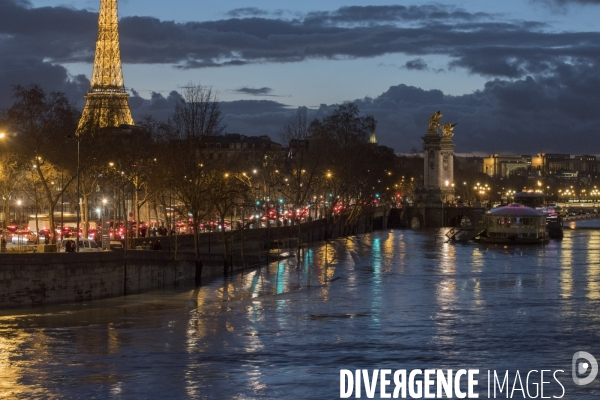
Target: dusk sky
[517,76]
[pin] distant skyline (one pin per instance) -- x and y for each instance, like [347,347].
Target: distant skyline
[516,75]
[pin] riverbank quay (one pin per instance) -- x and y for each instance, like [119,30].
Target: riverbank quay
[33,279]
[248,241]
[39,279]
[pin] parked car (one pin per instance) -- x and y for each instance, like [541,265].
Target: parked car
[24,237]
[85,245]
[116,245]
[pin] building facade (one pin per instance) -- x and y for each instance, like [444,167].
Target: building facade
[505,165]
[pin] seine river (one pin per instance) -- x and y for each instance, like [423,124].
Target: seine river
[387,300]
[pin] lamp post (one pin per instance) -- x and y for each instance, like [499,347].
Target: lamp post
[102,231]
[5,209]
[78,196]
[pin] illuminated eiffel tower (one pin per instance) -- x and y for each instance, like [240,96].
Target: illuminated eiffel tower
[106,102]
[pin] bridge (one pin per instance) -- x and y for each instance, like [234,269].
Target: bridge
[579,211]
[581,217]
[433,216]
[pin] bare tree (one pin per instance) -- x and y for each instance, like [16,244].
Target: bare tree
[303,164]
[225,191]
[196,118]
[347,176]
[10,180]
[41,122]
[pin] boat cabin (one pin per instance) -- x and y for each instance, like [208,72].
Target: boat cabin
[515,223]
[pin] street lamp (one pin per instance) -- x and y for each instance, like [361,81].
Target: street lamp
[102,230]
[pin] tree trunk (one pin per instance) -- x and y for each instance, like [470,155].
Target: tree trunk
[155,208]
[6,213]
[136,211]
[51,223]
[84,215]
[223,235]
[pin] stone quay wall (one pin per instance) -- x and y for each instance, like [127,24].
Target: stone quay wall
[49,278]
[36,279]
[253,241]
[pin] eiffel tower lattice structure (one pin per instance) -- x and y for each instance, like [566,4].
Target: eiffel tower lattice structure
[106,102]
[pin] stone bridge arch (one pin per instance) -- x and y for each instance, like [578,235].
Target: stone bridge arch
[415,217]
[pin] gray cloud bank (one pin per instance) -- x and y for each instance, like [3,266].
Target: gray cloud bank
[264,91]
[541,92]
[553,114]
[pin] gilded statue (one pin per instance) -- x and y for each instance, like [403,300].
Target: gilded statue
[448,130]
[434,121]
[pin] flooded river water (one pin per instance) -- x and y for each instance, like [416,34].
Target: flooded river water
[391,299]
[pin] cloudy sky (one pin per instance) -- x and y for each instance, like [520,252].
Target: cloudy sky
[518,76]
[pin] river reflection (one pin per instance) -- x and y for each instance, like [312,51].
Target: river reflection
[391,299]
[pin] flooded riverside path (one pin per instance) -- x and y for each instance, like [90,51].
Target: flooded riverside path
[390,299]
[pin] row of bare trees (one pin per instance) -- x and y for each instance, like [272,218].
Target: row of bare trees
[171,165]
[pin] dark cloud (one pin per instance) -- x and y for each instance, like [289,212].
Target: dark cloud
[556,113]
[562,6]
[480,46]
[550,114]
[158,106]
[417,64]
[53,78]
[541,94]
[264,91]
[474,41]
[396,13]
[246,11]
[565,2]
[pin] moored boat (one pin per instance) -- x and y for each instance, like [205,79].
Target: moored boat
[515,223]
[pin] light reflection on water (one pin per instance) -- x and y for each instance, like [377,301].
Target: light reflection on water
[402,299]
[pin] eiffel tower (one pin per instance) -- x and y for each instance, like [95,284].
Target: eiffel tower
[106,103]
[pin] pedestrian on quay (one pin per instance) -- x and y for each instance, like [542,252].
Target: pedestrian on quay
[3,244]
